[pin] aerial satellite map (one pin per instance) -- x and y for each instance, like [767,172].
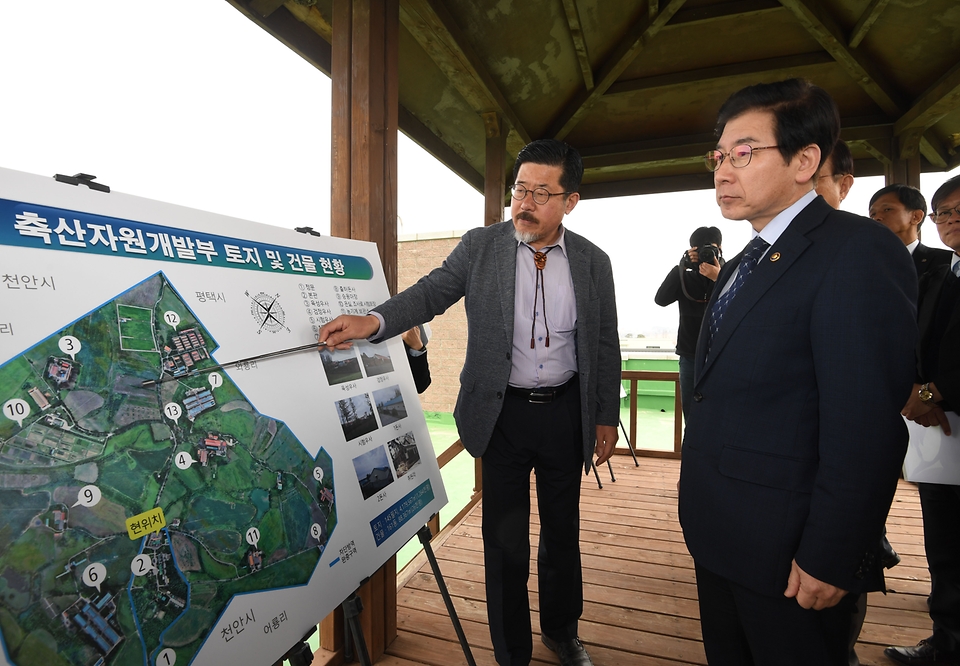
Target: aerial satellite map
[142,493]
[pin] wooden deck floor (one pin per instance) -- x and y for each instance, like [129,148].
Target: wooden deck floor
[640,596]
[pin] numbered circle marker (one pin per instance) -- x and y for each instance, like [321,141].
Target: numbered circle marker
[141,565]
[167,657]
[70,345]
[315,531]
[17,410]
[88,496]
[94,575]
[216,379]
[253,536]
[318,473]
[184,460]
[171,318]
[173,411]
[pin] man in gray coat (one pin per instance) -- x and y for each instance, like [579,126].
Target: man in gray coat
[539,389]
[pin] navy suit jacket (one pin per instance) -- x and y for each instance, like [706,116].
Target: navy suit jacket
[948,366]
[794,440]
[928,258]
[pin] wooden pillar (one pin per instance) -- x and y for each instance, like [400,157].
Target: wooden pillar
[495,170]
[905,167]
[363,206]
[365,111]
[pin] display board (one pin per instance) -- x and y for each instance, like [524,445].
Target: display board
[154,513]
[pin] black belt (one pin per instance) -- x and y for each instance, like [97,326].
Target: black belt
[541,394]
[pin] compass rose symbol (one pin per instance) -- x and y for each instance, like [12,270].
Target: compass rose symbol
[266,311]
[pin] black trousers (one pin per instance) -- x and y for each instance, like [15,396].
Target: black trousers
[941,539]
[743,628]
[548,439]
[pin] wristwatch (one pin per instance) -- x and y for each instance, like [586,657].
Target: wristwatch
[926,395]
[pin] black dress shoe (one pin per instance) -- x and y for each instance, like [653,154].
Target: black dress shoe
[921,655]
[888,556]
[571,652]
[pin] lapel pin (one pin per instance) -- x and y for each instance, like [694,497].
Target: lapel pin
[775,256]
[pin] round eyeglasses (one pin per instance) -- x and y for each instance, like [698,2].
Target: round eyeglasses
[540,195]
[740,156]
[941,216]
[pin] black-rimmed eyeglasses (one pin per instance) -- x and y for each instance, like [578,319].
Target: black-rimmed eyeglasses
[540,194]
[941,216]
[740,156]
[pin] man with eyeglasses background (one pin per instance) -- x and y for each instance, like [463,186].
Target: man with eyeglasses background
[539,389]
[935,393]
[901,209]
[793,443]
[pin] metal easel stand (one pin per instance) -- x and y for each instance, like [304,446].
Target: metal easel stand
[300,654]
[425,535]
[596,475]
[353,631]
[626,438]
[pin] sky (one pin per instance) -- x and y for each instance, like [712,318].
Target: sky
[214,113]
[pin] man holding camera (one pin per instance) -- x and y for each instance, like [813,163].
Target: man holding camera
[690,285]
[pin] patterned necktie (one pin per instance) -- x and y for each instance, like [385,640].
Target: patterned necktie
[748,262]
[956,269]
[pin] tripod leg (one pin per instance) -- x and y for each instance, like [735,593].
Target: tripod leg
[613,479]
[626,438]
[424,535]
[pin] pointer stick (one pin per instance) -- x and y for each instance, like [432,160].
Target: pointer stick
[281,352]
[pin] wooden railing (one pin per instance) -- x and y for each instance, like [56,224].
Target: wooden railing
[633,376]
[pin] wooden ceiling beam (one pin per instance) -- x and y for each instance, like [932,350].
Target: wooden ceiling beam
[265,7]
[441,38]
[723,11]
[722,72]
[424,137]
[579,43]
[822,27]
[939,99]
[877,149]
[626,51]
[635,153]
[675,150]
[654,185]
[312,17]
[869,17]
[294,34]
[935,152]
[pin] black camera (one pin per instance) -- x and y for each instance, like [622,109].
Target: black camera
[707,254]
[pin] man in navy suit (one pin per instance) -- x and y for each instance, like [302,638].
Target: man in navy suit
[794,440]
[936,393]
[901,209]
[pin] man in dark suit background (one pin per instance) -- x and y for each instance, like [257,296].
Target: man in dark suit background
[937,392]
[539,389]
[794,441]
[835,177]
[901,209]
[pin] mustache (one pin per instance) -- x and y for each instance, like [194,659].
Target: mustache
[529,217]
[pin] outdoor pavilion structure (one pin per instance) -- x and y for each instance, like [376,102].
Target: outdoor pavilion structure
[634,85]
